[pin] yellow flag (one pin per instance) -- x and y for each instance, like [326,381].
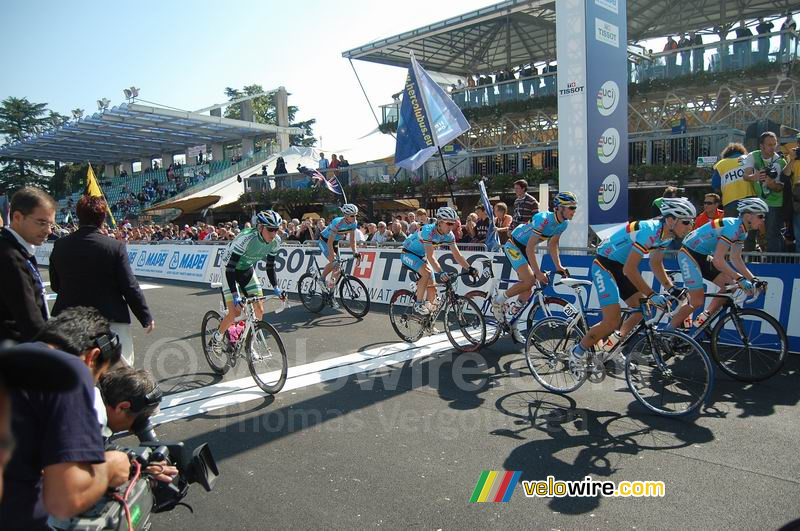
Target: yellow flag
[93,190]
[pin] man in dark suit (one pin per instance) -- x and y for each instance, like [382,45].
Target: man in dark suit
[88,268]
[23,309]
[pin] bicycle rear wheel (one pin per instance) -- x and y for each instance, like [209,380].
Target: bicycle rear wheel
[669,373]
[354,296]
[309,288]
[217,362]
[493,328]
[464,325]
[266,358]
[553,307]
[547,352]
[407,324]
[749,345]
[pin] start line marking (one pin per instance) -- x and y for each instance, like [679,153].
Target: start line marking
[52,296]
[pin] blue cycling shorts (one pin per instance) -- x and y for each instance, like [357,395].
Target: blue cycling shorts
[323,247]
[515,255]
[610,282]
[694,268]
[412,261]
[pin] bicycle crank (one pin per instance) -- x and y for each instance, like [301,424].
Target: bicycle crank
[597,372]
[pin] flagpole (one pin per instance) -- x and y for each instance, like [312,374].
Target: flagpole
[447,177]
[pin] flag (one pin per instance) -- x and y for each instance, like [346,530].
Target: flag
[492,240]
[428,119]
[93,190]
[331,183]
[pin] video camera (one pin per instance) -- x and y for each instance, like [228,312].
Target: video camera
[145,496]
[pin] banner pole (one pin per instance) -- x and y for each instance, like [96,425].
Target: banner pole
[447,177]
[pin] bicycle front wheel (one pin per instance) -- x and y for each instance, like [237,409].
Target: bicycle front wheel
[309,288]
[493,328]
[354,296]
[406,323]
[749,345]
[547,352]
[266,358]
[217,361]
[553,306]
[669,373]
[464,325]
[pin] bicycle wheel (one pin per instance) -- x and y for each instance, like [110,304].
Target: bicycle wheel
[309,288]
[553,306]
[217,362]
[547,353]
[669,373]
[266,358]
[749,345]
[354,296]
[493,330]
[407,324]
[464,325]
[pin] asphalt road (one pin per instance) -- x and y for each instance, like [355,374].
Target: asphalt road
[370,433]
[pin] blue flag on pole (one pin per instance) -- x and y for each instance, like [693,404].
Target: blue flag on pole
[492,239]
[428,119]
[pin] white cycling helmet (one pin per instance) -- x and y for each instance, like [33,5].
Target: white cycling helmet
[752,205]
[269,218]
[349,209]
[446,214]
[678,207]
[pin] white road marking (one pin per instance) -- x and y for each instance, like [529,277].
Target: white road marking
[52,296]
[225,394]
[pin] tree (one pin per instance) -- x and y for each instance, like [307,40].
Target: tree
[20,118]
[265,112]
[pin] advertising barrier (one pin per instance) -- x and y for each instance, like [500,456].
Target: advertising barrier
[382,273]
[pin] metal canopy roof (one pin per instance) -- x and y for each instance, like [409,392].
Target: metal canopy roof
[132,131]
[517,32]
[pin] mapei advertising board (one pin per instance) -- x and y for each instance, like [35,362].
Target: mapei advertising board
[382,273]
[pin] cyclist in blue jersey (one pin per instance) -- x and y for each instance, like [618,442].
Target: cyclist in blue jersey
[702,256]
[615,271]
[339,229]
[418,256]
[520,249]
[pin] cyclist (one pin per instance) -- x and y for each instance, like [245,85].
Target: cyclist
[702,256]
[615,271]
[338,229]
[418,256]
[520,249]
[251,246]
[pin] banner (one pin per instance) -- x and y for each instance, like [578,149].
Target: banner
[382,273]
[429,119]
[93,190]
[492,239]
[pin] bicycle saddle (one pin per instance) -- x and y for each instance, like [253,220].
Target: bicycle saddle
[573,282]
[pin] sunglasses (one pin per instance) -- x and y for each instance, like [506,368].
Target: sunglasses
[572,208]
[687,221]
[761,216]
[449,223]
[270,229]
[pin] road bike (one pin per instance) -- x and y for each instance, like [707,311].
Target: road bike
[463,321]
[353,294]
[747,344]
[257,341]
[667,371]
[538,305]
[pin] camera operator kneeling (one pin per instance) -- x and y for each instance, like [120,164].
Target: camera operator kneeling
[60,466]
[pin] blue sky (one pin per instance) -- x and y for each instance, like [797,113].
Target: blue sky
[183,54]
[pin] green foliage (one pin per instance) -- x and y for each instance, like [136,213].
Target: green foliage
[70,178]
[19,119]
[265,112]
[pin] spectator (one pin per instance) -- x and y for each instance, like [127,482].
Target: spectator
[502,221]
[670,48]
[23,309]
[684,44]
[323,162]
[470,233]
[304,231]
[525,205]
[791,174]
[711,210]
[763,29]
[371,230]
[344,176]
[422,217]
[381,235]
[398,231]
[697,52]
[411,217]
[728,178]
[742,45]
[413,227]
[319,226]
[481,225]
[788,27]
[60,466]
[757,164]
[28,368]
[88,269]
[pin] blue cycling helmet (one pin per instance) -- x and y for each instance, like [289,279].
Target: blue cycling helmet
[269,218]
[565,199]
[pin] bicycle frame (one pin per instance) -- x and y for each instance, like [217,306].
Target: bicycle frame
[449,293]
[248,315]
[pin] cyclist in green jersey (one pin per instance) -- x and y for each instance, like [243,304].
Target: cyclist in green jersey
[250,247]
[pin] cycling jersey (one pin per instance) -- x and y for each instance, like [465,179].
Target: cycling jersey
[427,236]
[341,227]
[241,255]
[704,239]
[544,225]
[639,236]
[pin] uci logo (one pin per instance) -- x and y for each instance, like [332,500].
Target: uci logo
[608,98]
[609,192]
[608,145]
[142,259]
[175,260]
[599,281]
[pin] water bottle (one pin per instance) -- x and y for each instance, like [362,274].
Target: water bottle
[235,332]
[612,341]
[437,302]
[702,318]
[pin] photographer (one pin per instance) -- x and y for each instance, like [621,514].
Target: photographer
[764,167]
[131,397]
[791,174]
[59,465]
